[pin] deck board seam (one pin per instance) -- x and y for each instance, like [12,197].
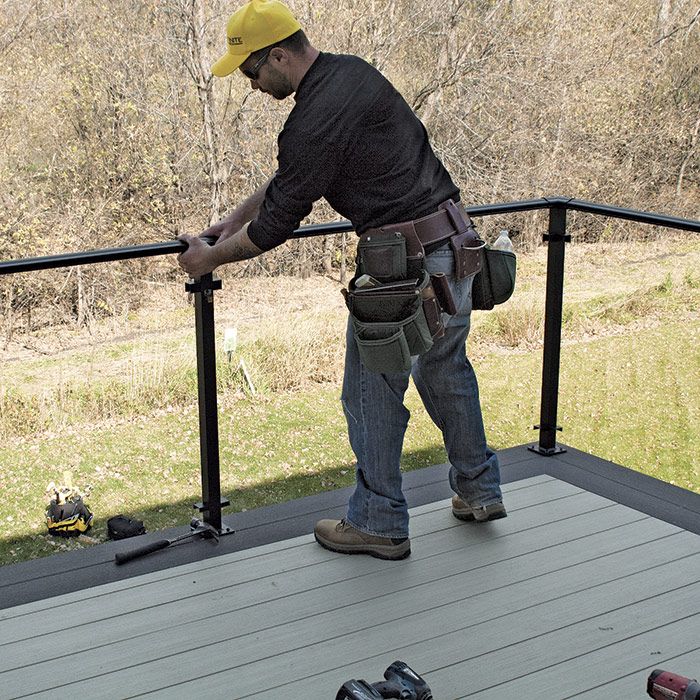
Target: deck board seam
[576,657]
[493,563]
[434,506]
[403,590]
[476,656]
[430,639]
[317,563]
[303,540]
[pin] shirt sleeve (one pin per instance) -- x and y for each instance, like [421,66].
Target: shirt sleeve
[307,165]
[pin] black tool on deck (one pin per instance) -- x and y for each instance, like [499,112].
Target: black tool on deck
[401,682]
[198,528]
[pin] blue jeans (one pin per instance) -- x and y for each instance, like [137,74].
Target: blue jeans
[377,419]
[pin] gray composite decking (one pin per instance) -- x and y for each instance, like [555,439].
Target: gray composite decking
[573,595]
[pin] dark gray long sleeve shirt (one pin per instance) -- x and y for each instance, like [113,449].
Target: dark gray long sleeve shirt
[352,139]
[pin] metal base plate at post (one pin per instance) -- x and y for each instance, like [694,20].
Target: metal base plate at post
[223,529]
[546,452]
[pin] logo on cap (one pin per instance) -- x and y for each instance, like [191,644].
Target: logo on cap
[235,40]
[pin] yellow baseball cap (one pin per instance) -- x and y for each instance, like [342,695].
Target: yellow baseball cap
[256,25]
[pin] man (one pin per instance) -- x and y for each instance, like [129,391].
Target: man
[352,139]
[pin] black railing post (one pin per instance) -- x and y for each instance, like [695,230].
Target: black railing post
[556,240]
[203,291]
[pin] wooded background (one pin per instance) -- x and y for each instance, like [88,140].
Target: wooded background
[115,133]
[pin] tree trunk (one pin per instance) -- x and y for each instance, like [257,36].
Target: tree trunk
[688,156]
[327,260]
[198,67]
[664,18]
[9,314]
[81,309]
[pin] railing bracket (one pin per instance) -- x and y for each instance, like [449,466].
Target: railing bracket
[201,506]
[203,284]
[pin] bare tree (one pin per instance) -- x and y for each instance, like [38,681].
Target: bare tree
[198,62]
[116,132]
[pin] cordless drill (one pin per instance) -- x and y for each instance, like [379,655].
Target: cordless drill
[664,685]
[401,682]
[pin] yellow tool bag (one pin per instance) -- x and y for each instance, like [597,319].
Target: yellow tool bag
[67,515]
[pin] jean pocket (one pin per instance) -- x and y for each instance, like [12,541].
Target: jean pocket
[442,261]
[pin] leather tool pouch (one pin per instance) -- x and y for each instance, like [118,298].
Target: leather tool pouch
[443,293]
[466,244]
[393,322]
[496,281]
[467,247]
[382,255]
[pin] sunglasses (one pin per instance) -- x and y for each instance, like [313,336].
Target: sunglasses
[252,73]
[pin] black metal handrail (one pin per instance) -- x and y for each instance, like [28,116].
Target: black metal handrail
[169,247]
[203,288]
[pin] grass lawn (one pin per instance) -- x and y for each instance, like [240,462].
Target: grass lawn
[630,400]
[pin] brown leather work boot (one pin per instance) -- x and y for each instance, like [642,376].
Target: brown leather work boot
[340,536]
[463,511]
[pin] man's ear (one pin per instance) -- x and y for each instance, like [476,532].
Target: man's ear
[279,56]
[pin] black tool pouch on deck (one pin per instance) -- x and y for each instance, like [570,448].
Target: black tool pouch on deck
[121,526]
[496,281]
[391,322]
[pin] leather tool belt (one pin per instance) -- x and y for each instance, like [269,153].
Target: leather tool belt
[397,311]
[450,222]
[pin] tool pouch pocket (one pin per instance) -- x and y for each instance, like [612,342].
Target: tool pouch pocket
[390,324]
[443,293]
[468,258]
[495,282]
[382,255]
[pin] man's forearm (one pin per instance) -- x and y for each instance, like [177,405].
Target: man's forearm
[236,247]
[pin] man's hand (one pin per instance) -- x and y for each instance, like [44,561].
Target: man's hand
[198,259]
[221,230]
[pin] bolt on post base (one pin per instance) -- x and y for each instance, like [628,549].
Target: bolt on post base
[547,433]
[221,529]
